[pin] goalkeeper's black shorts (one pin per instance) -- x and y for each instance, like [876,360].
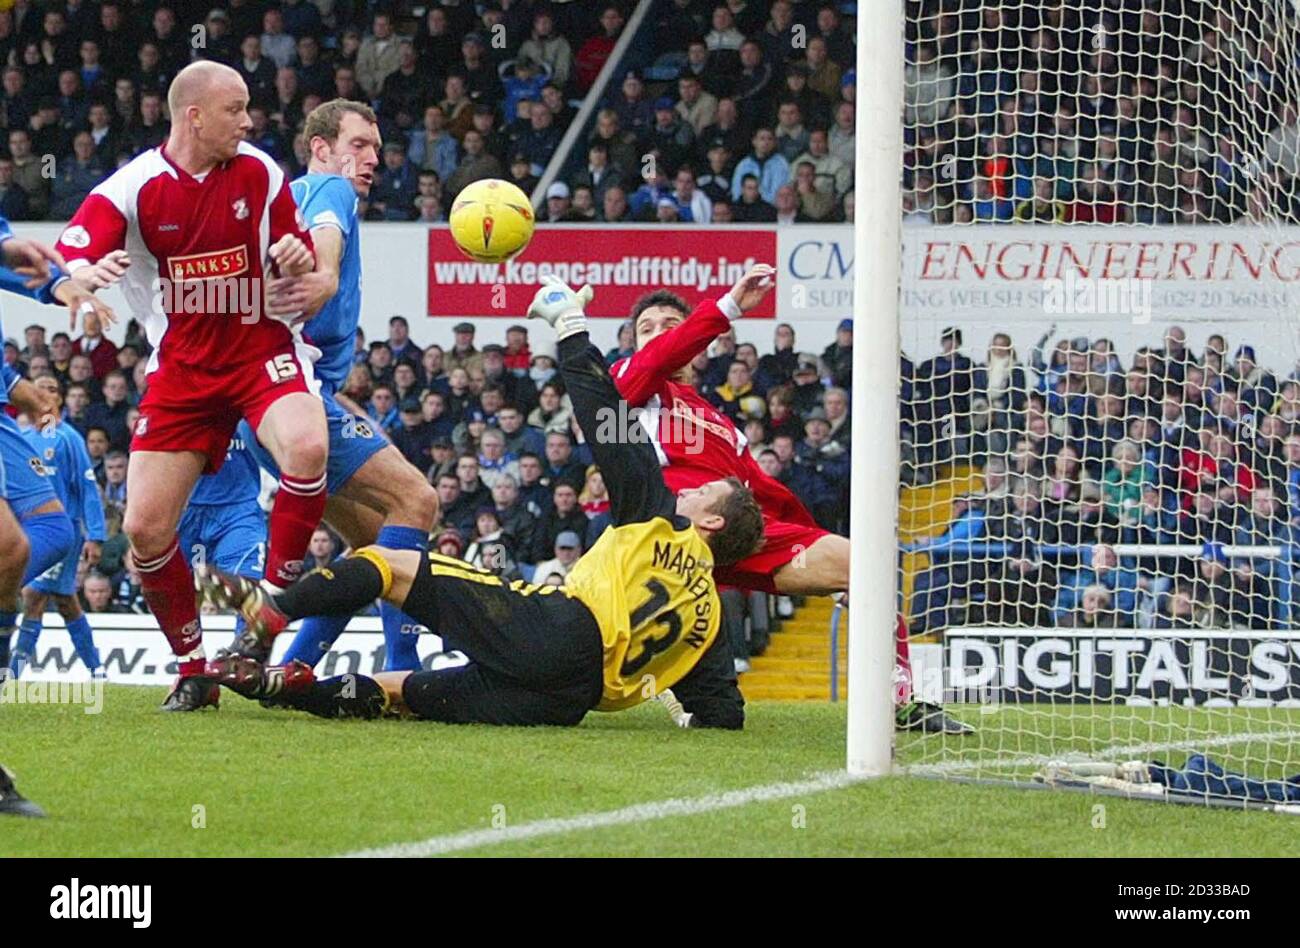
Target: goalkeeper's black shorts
[535,654]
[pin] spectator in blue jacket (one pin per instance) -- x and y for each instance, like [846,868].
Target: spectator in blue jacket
[645,199]
[433,146]
[525,85]
[934,589]
[764,163]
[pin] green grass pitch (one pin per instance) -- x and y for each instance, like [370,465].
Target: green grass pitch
[246,781]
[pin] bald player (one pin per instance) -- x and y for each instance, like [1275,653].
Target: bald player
[207,219]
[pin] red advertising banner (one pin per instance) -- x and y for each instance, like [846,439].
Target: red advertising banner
[620,263]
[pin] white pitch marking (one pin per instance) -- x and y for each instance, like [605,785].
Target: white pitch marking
[638,813]
[764,793]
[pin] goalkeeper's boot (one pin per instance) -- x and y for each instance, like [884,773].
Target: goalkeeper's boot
[11,801]
[264,621]
[929,719]
[250,678]
[192,693]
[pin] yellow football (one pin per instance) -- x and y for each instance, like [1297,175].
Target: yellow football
[491,220]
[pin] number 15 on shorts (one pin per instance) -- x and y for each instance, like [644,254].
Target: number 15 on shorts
[281,368]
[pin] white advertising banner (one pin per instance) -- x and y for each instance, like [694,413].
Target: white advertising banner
[134,652]
[1127,283]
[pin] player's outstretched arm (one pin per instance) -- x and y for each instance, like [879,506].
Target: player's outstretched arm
[640,375]
[30,259]
[618,443]
[25,396]
[59,288]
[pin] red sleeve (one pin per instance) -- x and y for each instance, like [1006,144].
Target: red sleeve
[98,228]
[638,377]
[286,218]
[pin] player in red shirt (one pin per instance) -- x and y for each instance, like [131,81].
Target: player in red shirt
[204,220]
[697,444]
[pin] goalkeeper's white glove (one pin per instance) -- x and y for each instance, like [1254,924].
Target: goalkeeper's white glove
[560,306]
[681,717]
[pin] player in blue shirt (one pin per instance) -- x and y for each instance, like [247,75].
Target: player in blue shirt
[28,489]
[223,522]
[62,451]
[31,269]
[375,494]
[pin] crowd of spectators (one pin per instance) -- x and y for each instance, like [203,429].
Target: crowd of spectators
[1081,457]
[728,110]
[1098,112]
[746,115]
[464,91]
[492,429]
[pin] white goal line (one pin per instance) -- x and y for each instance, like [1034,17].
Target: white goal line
[762,793]
[638,813]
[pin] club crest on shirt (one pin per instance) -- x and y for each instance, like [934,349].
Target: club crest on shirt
[241,209]
[76,236]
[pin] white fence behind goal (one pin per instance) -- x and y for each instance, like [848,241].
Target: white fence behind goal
[1100,501]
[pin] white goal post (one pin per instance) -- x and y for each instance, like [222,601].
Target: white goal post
[877,250]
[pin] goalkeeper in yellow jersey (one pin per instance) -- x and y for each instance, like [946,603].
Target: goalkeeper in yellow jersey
[638,614]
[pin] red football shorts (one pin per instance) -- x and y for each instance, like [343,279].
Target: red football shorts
[782,542]
[192,409]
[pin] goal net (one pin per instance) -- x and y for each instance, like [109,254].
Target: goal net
[1100,482]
